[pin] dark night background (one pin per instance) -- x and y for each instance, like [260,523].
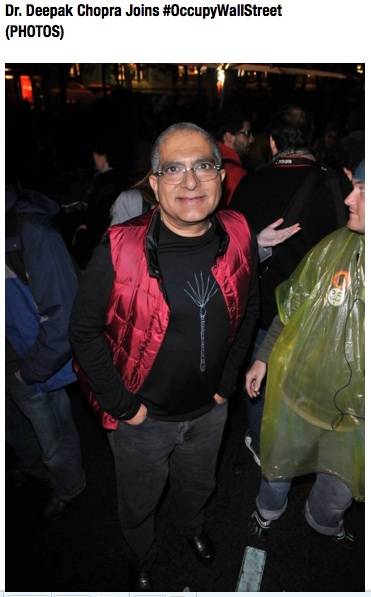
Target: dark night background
[55,113]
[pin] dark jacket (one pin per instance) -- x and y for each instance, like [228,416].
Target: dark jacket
[267,194]
[104,191]
[41,284]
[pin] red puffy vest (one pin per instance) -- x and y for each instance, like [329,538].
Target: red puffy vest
[138,314]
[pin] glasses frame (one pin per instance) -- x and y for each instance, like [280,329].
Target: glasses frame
[245,133]
[161,174]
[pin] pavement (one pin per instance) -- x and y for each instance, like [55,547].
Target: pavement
[82,550]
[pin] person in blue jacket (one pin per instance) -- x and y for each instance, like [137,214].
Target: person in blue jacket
[41,284]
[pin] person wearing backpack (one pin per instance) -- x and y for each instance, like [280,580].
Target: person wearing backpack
[41,284]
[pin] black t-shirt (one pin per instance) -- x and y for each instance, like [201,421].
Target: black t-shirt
[187,370]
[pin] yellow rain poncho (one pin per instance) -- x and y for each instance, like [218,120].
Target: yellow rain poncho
[314,407]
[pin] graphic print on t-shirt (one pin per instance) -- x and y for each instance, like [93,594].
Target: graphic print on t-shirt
[201,293]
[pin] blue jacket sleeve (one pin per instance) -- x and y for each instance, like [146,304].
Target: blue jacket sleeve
[53,283]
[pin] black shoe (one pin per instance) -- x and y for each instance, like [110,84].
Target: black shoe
[202,547]
[56,506]
[345,539]
[54,509]
[140,580]
[258,526]
[17,478]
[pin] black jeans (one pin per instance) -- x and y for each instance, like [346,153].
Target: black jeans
[146,456]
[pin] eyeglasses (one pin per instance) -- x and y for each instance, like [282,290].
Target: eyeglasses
[174,173]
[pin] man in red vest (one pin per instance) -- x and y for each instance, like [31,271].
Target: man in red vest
[161,324]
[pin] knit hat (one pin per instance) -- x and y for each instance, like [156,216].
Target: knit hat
[359,173]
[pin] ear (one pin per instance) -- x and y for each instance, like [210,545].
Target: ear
[153,181]
[222,174]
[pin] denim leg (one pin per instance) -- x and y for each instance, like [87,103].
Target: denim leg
[255,406]
[272,498]
[141,454]
[19,434]
[329,498]
[50,416]
[146,456]
[192,468]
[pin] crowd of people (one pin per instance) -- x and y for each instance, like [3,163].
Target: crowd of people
[166,294]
